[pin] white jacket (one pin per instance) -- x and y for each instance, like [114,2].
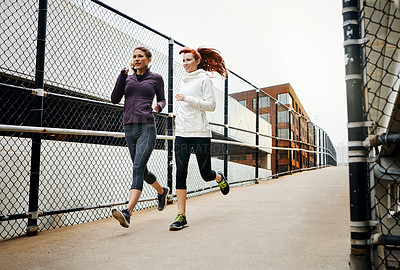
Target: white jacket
[191,119]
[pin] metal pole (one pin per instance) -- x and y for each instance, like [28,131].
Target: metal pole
[314,148]
[276,140]
[170,119]
[358,153]
[308,144]
[290,144]
[226,122]
[300,146]
[37,116]
[323,148]
[257,131]
[326,148]
[319,148]
[324,145]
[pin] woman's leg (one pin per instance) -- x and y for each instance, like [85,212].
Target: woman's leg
[150,133]
[151,179]
[131,132]
[181,198]
[202,149]
[182,156]
[123,216]
[134,195]
[140,139]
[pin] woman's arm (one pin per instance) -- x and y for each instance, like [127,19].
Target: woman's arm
[119,87]
[208,101]
[160,95]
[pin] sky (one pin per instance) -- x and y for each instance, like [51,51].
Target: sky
[267,43]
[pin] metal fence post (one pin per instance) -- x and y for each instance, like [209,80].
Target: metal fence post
[324,146]
[357,133]
[226,123]
[276,135]
[170,118]
[300,153]
[37,115]
[308,144]
[257,132]
[320,147]
[314,148]
[290,143]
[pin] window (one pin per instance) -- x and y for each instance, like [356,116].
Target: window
[283,116]
[237,157]
[266,117]
[285,98]
[243,102]
[283,154]
[283,168]
[264,102]
[283,133]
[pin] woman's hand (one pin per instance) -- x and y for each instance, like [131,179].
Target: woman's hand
[180,97]
[156,108]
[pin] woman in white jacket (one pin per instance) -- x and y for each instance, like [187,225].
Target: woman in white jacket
[192,130]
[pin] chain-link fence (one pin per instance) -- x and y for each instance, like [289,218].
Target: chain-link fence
[372,35]
[63,155]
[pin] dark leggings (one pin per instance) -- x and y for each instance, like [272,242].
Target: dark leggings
[199,146]
[141,139]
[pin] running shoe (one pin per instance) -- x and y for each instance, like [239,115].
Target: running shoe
[179,223]
[122,216]
[162,199]
[223,184]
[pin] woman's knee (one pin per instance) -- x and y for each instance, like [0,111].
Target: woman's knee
[149,177]
[208,175]
[136,184]
[181,184]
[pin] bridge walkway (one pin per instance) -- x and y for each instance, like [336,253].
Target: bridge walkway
[298,221]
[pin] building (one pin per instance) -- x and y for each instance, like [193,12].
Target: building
[280,106]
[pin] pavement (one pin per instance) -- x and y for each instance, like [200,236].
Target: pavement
[298,221]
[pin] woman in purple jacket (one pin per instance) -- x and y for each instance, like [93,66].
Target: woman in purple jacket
[139,90]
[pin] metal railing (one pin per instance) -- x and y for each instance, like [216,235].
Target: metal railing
[372,35]
[63,156]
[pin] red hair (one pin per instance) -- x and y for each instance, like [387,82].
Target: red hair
[210,60]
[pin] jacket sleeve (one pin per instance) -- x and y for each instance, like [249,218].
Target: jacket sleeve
[208,101]
[160,93]
[119,88]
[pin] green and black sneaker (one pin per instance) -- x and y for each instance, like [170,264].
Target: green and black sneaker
[179,223]
[223,184]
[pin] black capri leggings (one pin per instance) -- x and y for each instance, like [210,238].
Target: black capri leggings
[141,139]
[199,146]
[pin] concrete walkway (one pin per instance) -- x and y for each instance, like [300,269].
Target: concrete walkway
[294,222]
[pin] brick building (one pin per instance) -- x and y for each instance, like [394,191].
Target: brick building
[289,122]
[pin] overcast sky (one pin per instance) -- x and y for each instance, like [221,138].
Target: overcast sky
[267,43]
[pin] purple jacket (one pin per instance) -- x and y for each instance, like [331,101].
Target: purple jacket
[139,96]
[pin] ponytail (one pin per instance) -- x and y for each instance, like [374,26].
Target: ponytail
[210,60]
